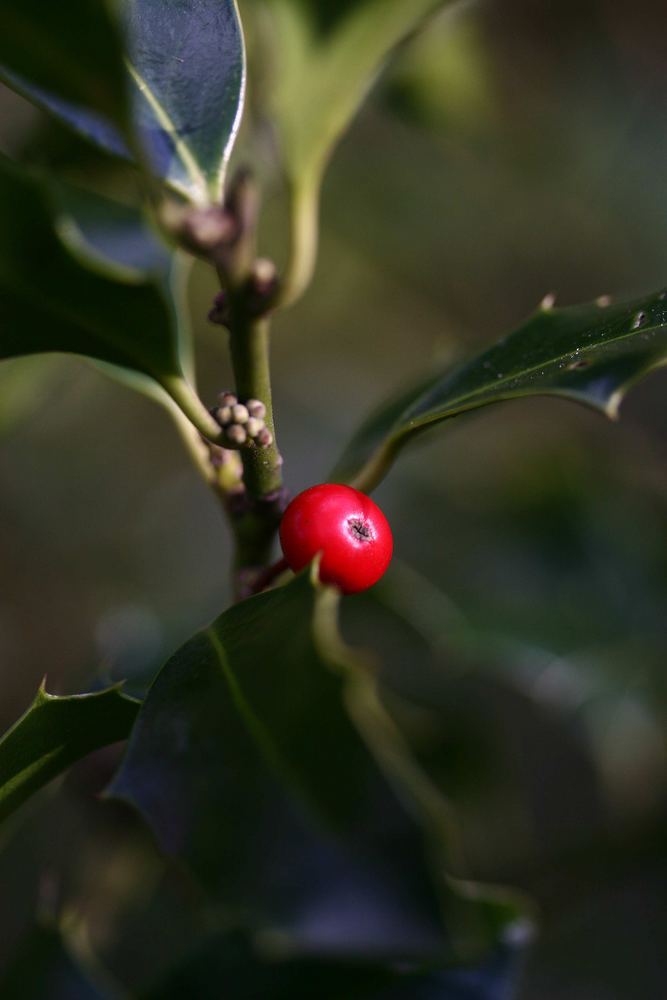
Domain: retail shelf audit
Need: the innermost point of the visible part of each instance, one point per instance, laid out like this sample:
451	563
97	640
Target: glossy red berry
344	525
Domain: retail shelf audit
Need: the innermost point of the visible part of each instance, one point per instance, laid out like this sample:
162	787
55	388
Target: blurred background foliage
512	149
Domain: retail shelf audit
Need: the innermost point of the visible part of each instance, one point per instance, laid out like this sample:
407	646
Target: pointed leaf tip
590	354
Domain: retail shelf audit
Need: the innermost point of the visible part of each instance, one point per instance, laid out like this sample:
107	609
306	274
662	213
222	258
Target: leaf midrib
255	726
278	763
183	150
525	372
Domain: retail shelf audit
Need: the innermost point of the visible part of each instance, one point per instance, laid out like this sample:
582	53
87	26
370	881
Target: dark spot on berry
359	530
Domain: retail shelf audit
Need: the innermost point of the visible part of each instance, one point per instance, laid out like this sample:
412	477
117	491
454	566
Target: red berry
349	530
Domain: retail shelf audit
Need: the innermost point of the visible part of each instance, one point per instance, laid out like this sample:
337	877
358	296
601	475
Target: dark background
516	150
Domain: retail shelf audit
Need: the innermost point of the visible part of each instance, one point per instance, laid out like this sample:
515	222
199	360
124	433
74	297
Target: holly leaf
324	57
44	966
73	50
591	354
56	732
120	241
115	238
50	302
183	67
327	56
187	63
247	973
248	762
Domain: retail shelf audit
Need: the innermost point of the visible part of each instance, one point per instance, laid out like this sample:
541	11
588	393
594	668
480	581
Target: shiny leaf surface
49	302
591	354
56	732
182	66
73	51
247	764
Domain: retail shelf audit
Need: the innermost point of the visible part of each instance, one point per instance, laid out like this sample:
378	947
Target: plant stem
369	477
304	198
249	346
255	517
190	404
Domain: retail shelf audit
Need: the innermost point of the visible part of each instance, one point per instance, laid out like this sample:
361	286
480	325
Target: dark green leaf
249	974
43	967
56	732
49	302
591	354
188	66
114	236
119	241
184	73
246	763
72	50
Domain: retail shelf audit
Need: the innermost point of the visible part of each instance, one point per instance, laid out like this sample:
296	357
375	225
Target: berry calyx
346	527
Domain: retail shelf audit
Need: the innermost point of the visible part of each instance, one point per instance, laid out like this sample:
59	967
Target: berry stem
271	573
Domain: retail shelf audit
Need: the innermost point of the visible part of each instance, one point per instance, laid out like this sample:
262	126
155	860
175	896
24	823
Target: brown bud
227	399
208	227
219	312
265	438
224	415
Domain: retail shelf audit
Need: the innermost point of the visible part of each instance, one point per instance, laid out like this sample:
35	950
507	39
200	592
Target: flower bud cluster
242	422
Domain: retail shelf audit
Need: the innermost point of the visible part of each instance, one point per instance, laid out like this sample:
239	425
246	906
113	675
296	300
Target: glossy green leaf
120	241
113	237
50	302
248	762
73	50
56	732
184	72
591	354
327	56
324	57
187	62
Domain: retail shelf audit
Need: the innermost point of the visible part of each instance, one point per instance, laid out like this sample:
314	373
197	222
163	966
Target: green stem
304	205
249	345
191	405
369	477
255	520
